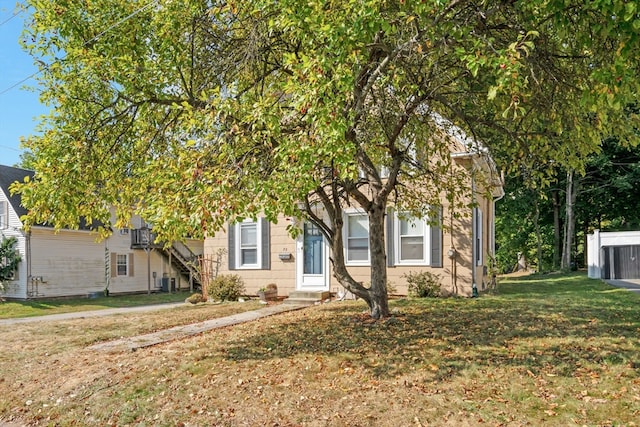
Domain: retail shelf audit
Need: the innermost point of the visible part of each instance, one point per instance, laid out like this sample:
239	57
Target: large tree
193	113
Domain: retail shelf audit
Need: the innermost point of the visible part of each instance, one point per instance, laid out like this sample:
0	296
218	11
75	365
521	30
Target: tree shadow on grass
560	330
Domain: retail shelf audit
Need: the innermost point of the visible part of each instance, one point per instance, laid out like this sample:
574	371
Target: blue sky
19	108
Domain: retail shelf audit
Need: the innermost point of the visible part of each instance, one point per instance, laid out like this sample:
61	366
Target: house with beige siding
458	246
68	263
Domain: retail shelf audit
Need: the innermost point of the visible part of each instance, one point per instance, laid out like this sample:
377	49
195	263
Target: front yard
552	350
33	308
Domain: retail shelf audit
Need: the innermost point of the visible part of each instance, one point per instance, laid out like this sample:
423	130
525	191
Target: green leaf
493	91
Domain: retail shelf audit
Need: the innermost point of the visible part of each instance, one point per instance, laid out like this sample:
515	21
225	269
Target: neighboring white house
613	255
73	263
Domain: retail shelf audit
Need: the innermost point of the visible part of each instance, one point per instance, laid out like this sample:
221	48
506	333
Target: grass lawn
30	308
547	350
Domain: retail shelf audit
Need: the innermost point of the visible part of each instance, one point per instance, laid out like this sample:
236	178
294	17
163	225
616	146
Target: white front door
312	260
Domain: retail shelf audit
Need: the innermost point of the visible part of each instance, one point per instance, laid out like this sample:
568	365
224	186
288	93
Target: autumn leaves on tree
196	113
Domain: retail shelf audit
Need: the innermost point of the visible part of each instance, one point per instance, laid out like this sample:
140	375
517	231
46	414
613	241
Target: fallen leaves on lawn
442	362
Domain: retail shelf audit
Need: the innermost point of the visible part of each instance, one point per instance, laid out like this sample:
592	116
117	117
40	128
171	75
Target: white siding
69	262
16	288
73	263
142	275
137	282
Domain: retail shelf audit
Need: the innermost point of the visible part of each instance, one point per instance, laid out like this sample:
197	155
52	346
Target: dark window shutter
479	236
390	239
265	231
130	266
114	267
436	241
231	254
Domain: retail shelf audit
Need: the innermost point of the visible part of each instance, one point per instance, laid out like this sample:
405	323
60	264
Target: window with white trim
249	245
122	265
412	240
357	238
4	214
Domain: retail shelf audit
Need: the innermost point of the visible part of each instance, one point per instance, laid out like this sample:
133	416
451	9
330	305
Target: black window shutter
266	244
436	241
231	254
390	239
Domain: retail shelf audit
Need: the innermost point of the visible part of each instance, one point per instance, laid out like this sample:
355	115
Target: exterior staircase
185	261
307	298
182	258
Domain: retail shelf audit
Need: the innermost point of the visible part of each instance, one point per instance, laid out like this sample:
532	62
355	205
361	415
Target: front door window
313	249
312	262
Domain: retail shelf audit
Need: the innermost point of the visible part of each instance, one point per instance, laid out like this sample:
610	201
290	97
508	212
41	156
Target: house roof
473	149
9	175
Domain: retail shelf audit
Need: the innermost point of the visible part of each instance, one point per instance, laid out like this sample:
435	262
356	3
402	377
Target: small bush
195	299
272	287
226	287
423	284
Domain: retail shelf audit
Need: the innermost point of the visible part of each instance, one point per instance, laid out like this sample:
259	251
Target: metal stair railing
186	259
181	255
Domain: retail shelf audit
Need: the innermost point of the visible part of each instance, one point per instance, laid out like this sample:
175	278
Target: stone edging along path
179	332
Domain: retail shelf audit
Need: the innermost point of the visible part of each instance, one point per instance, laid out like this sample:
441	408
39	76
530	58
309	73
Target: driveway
632	285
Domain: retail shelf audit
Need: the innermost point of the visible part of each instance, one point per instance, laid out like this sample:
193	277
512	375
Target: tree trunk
538	234
570	221
557	234
585	239
341	273
376	295
378	298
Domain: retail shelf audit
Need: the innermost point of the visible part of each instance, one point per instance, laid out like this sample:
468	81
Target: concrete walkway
86	314
179	332
158	337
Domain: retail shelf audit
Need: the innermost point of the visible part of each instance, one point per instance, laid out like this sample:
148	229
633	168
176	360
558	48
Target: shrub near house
226	287
9	260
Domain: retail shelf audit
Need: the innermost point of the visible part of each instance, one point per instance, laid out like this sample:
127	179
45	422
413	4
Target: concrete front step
307	298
